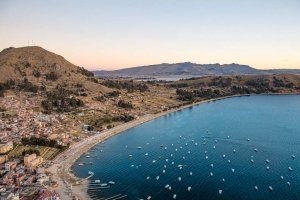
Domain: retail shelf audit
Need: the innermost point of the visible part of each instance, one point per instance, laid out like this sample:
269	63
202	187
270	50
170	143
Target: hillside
42	67
190	69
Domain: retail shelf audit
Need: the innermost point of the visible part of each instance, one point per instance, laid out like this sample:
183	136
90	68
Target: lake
237	148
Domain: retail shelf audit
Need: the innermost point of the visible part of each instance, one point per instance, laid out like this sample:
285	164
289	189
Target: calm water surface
208	148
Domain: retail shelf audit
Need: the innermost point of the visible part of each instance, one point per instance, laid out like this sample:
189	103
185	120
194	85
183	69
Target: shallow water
271	123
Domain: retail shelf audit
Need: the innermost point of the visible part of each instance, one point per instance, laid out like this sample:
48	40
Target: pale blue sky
110	34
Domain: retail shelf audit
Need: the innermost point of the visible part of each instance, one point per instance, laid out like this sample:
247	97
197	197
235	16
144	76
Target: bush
124	104
52	76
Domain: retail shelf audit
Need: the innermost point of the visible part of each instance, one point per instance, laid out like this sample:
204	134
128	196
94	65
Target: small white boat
157	177
191	173
293	156
220	192
179	178
224	155
288	183
153	161
174	196
80	164
167	186
103	184
164	171
189	188
146	154
232	170
206	157
149	197
228	161
223	179
290	169
90	173
267	161
252	161
170	188
97	181
139	147
234	150
212	165
268	168
111	182
271	188
281	177
148	177
211	174
255	150
255	187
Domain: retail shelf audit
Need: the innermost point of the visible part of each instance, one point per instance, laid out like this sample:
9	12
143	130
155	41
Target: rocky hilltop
42	67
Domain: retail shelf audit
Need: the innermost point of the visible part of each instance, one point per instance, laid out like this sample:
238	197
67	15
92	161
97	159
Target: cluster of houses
24	177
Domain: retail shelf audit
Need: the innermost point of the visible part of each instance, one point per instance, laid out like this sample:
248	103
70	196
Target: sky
114	34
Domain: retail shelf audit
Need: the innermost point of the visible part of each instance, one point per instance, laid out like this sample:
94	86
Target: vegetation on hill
130	86
61	100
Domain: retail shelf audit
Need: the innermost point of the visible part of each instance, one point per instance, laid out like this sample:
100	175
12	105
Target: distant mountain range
190	69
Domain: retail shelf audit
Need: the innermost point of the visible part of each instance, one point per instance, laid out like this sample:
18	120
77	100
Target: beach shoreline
61	169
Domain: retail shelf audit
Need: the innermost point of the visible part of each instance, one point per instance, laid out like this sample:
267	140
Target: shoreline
61	169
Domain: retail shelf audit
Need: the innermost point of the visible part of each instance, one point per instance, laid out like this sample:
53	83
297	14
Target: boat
80	164
220	192
189	188
179	178
281	177
252	161
146	154
255	187
211	174
140	147
174	196
90	172
212	165
149	197
87	156
167	186
191	173
271	188
290	169
157	177
268	168
148	178
111	182
293	156
103	184
267	161
255	150
232	170
97	181
288	183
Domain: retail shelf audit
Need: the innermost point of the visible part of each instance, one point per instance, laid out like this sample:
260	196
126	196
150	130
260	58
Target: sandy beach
70	186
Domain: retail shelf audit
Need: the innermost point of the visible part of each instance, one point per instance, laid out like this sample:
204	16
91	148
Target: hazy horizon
114	34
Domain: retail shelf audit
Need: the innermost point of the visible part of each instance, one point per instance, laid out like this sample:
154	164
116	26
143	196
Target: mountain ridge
191	69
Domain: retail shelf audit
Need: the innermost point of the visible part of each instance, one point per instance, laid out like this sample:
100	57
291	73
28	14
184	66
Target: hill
42	67
190	69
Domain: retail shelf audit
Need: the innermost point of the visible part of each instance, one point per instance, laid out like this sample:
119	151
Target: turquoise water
228	132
